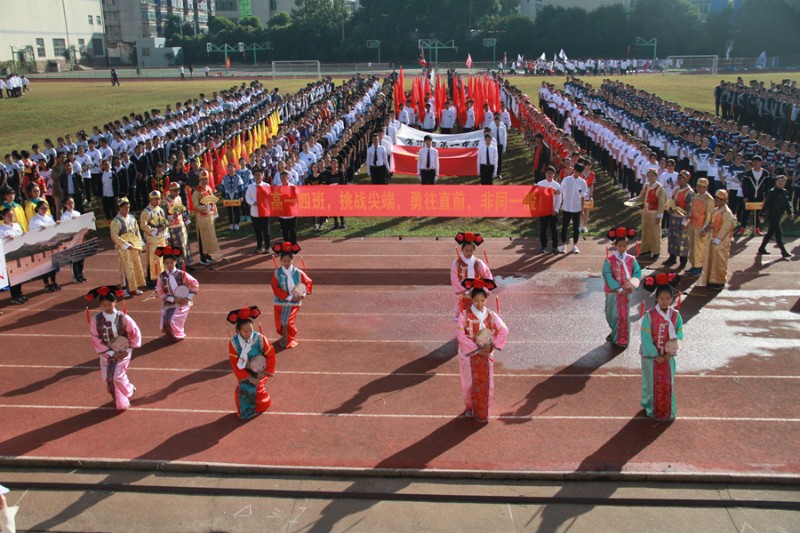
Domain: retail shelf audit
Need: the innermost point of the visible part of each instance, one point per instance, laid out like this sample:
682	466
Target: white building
530	8
42	32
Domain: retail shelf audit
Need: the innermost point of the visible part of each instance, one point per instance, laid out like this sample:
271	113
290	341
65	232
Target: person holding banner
124	231
290	285
114	336
487	160
428	163
8	230
205	206
622	275
377	161
41	220
720	234
153	223
479	332
8	520
550	222
252	359
178	219
19	212
466	266
70	213
177	289
662	340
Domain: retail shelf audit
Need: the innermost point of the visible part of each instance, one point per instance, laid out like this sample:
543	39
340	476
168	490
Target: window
97	47
59	47
40	51
273	5
91	21
145	51
99	20
81	45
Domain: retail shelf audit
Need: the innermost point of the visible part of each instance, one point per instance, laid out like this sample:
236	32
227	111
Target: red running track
374	382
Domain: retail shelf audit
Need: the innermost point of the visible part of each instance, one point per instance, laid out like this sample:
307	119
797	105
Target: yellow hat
155	194
703	182
722	194
123	201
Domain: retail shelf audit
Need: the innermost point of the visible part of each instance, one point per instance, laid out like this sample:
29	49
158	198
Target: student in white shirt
377	162
428	163
500	135
573	191
70	213
550	222
487	160
40	221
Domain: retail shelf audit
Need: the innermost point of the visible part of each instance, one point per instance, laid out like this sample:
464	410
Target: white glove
658	217
125	246
154	232
716	241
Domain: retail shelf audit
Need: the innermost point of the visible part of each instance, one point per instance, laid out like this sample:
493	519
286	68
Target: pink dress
104	329
477	371
173	315
459	271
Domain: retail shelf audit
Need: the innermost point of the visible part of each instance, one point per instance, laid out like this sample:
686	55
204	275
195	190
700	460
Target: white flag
562	56
761	62
542	57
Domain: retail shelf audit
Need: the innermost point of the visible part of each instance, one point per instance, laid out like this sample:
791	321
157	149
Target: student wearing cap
719	232
124	231
10	229
549	223
153	223
252	359
679	216
652	200
114	336
662	340
290	285
205	215
699	218
9	197
487	160
621	273
176	289
428	163
776	203
178	218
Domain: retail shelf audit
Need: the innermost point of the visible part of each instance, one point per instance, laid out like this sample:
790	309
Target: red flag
469	61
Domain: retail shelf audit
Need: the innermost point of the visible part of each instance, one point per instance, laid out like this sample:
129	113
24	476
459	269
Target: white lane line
399	415
402	374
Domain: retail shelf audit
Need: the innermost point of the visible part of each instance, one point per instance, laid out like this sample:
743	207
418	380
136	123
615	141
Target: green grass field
55	108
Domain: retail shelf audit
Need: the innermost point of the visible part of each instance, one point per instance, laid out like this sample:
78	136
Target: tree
219	23
279	20
250	22
767	25
675	23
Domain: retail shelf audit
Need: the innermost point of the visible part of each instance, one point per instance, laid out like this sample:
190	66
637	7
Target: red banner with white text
495	201
452	161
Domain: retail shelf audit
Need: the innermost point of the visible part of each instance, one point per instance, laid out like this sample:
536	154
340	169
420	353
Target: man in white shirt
469	124
573	191
428	163
429	120
377	162
500	135
488	116
487	160
448	119
550	222
260	224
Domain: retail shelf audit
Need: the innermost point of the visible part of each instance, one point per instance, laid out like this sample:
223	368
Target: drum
182	292
484	338
300	290
119	344
633	202
258	363
632	283
673	346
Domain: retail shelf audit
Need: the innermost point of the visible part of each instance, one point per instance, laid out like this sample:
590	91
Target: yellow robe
715	267
651	219
130	266
19	215
155	263
700	216
204	218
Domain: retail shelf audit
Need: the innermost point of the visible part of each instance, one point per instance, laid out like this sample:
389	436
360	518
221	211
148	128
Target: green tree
767	25
218	24
675	23
250	22
279	20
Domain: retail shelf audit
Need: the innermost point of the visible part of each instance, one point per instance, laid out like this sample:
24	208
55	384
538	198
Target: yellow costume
652	200
19	214
715	267
130	267
155	236
700	217
205	217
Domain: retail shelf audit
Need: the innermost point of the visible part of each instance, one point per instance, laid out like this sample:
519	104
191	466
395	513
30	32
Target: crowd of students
774	110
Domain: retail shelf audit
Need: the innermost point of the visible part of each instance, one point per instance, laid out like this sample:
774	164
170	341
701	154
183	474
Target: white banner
407	136
31	255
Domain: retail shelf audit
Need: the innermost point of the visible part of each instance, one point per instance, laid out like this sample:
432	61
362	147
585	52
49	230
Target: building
530	8
262	9
129	20
39	35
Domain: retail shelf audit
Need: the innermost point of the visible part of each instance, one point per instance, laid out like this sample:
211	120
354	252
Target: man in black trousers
776	203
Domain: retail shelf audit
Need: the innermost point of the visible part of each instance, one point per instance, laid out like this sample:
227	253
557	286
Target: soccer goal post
693	64
296	69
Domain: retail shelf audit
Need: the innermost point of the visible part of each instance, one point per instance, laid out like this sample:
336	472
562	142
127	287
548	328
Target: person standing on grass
573	192
549	223
231	188
487	160
776	203
182	72
114	78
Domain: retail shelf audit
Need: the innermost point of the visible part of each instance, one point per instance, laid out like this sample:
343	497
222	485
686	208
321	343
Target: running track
374	383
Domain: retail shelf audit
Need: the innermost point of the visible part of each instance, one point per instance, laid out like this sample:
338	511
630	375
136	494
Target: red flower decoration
286	247
621	233
102	291
295	248
469	236
89	297
649	281
119	293
232	318
662	279
479	284
631	233
244	314
254	313
478	239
